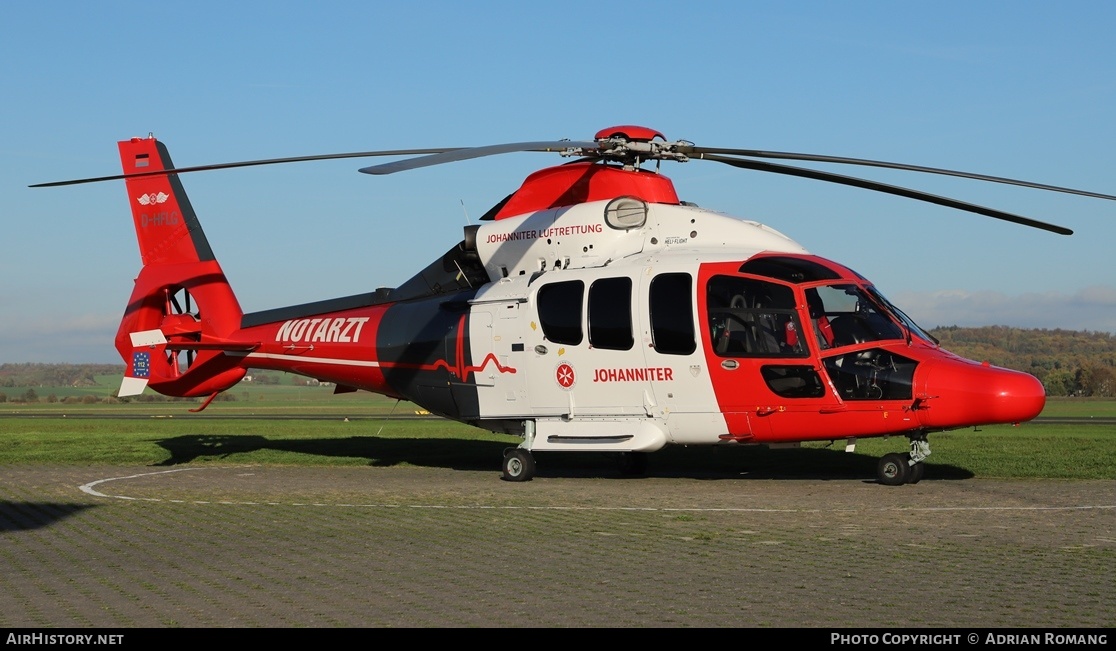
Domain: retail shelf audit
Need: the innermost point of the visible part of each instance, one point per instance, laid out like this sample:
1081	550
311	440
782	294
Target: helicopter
592	310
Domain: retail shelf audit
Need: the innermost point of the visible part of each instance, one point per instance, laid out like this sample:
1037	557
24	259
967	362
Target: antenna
467	220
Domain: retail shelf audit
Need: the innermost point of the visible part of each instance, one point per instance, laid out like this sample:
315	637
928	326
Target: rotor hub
629	145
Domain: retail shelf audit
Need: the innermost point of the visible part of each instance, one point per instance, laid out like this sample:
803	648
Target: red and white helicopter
591	311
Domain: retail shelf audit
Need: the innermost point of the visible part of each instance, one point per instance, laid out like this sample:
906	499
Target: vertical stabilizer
166	226
182	313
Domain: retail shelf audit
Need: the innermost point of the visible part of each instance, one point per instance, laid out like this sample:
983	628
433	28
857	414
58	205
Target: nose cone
962	393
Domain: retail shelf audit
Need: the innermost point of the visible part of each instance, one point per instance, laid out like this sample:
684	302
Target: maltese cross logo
565	376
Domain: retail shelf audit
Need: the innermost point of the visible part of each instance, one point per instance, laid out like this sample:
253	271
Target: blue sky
1017	89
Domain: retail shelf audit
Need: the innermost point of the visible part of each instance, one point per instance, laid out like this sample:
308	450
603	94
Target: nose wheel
896	469
917	471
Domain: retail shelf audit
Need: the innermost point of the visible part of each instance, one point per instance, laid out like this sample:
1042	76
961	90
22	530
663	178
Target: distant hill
1068	362
55	375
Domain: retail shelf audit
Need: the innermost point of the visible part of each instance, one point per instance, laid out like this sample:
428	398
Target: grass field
174	437
354	432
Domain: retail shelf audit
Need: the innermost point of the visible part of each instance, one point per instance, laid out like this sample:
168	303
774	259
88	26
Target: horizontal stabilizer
147	338
232	346
152	338
131	386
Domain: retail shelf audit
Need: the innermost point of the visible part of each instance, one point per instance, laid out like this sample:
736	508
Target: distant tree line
55	375
1067	362
32	396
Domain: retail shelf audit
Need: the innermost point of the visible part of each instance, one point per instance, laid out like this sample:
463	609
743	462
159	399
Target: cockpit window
844	315
752	318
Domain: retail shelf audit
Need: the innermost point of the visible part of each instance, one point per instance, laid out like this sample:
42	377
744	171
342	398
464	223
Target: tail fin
182	312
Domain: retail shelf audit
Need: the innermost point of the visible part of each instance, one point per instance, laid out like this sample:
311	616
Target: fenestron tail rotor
181	325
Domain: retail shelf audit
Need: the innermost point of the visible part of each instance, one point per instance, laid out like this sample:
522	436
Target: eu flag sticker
141	364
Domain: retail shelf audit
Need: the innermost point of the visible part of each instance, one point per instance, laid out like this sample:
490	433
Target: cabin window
610	314
793	381
672	314
560	311
753	318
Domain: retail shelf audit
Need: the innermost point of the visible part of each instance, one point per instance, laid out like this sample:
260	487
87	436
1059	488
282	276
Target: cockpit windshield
907	321
846	314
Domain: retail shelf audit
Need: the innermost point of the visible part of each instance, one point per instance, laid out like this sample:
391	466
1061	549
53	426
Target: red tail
182	313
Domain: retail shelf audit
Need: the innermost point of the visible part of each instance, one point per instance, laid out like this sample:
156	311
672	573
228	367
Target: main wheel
894	469
633	463
917	472
519	465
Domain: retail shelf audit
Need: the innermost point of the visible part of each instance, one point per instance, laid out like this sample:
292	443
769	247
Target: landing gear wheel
519	465
894	469
633	463
917	471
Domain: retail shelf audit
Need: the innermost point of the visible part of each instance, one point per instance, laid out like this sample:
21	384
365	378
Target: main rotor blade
266	161
699	152
889	189
452	156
